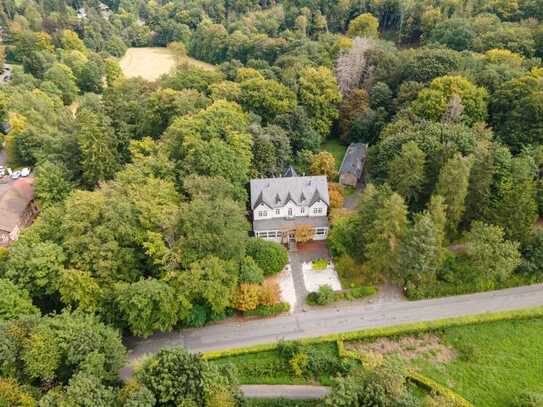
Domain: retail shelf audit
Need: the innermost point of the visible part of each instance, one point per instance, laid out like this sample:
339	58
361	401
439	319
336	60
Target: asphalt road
325	321
290	392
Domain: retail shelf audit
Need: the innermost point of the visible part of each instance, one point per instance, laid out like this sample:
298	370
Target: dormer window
317	211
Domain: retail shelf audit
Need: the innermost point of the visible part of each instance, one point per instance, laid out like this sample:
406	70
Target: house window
278	211
317	210
289	211
262	214
302	210
321	232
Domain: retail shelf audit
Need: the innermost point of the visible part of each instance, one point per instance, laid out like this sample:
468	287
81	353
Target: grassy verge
334	147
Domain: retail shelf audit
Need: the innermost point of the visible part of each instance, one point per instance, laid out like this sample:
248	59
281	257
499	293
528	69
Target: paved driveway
347	318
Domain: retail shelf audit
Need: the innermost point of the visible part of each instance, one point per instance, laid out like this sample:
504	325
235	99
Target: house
353	164
281	205
17	208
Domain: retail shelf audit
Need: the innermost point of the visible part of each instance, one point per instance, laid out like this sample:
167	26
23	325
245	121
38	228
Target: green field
493	362
334	147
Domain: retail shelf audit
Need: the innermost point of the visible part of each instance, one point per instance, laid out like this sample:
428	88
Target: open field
151	63
488	364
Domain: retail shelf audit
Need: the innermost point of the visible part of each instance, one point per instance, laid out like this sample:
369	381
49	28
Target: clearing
336	148
151	63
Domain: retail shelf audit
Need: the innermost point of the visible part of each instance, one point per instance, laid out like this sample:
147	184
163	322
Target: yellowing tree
323	163
304	233
365	25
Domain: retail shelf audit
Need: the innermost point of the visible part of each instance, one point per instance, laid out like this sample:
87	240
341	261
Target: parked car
15	174
25	172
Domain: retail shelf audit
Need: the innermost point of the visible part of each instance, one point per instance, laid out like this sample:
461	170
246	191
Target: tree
453	187
365	25
83	390
455	33
177	377
420	253
249	272
209	281
52	184
267	98
90	78
323	163
247	297
432	102
406	172
96	142
71	41
271	257
304	233
14	302
492	258
318	93
385	235
79	289
149	306
13	394
63	77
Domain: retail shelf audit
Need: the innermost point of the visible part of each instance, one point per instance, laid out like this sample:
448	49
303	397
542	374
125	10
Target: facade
353	164
17	208
281	205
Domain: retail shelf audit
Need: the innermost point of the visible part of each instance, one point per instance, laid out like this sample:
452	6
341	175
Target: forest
142	186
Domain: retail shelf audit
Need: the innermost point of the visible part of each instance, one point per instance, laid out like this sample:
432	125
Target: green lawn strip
336	148
268	367
496	361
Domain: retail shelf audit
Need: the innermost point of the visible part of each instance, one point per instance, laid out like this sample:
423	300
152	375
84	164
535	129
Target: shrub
268	310
198	316
325	295
269	293
299	364
287	349
320	264
271	257
249	272
360	292
247	297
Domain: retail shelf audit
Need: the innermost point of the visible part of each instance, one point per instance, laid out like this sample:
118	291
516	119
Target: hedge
403	329
434	387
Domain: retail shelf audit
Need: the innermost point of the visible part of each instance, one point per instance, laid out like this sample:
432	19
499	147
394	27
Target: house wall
279	236
264	212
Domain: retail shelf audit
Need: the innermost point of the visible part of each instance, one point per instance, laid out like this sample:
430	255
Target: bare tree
454	111
352	67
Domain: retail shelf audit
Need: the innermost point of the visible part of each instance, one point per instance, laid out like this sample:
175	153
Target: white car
25	172
15	174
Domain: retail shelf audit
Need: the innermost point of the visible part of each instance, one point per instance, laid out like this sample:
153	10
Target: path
290	392
316	322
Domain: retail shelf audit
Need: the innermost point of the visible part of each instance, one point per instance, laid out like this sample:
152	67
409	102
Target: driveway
316	322
290	392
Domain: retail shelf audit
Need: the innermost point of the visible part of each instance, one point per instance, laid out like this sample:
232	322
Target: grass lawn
151	63
336	148
270	368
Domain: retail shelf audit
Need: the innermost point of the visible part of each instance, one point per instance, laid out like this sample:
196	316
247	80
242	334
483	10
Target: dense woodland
142	185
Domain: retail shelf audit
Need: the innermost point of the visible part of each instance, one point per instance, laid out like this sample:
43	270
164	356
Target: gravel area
286	285
313	279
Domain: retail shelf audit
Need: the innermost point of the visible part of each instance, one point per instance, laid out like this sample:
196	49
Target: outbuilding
352	166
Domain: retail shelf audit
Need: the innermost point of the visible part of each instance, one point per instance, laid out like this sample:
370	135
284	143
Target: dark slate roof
276	192
290	172
290	223
354	159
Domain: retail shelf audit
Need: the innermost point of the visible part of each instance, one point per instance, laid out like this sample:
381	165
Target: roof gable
276	192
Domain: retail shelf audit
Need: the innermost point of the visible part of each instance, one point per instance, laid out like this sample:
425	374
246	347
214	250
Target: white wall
264	212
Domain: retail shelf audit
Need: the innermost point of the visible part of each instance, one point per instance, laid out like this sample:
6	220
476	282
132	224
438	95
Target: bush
271	257
320	264
325	295
268	310
198	316
269	293
361	292
247	297
287	349
249	272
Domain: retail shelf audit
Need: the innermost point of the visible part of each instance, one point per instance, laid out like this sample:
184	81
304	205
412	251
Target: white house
280	205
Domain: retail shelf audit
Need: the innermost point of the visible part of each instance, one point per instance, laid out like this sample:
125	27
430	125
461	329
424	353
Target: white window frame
317	210
278	211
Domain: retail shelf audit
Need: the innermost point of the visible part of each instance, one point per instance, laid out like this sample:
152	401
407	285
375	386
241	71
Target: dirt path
280	391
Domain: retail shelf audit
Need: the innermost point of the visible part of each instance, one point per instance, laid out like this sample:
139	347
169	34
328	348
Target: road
333	320
290	392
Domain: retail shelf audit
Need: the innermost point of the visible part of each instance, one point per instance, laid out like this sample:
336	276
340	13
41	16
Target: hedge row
404	329
434	387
